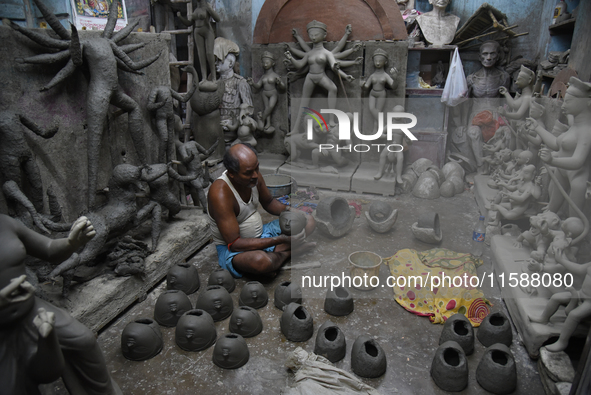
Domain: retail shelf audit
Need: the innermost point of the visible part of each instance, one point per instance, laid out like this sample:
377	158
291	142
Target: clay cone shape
368	358
296	323
183	277
246	322
495	328
170	306
459	329
141	340
223	278
338	302
287	292
230	351
330	342
449	368
496	371
253	295
195	331
216	301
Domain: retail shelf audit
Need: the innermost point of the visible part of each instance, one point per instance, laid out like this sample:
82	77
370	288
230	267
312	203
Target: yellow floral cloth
442	301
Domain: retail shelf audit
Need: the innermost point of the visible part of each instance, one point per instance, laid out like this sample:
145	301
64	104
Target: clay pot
496	371
330	342
296	323
334	216
449	368
286	293
495	328
427	187
292	222
195	331
184	277
216	301
230	351
452	167
421	165
459	329
437	172
141	340
170	306
427	229
447	189
409	179
458	184
223	278
338	302
246	322
368	358
381	217
253	295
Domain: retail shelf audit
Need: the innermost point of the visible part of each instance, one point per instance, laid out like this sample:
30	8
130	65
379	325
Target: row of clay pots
427	181
496	371
184	277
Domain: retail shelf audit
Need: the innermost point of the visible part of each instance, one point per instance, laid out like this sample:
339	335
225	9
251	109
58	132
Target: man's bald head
237	154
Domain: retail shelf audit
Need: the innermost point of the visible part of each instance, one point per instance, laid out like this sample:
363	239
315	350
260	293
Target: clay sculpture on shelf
427	229
195	331
334	217
437	26
495	328
381	217
459	329
216	301
103	57
330	342
496	371
246	322
230	351
368	358
223	278
141	339
254	295
377	83
449	368
184	277
296	323
338	301
287	292
170	306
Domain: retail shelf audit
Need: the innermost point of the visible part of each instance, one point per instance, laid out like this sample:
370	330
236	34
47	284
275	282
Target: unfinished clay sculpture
246	322
377	83
338	302
287	292
216	301
368	358
292	222
330	342
184	277
438	27
296	323
427	229
191	154
141	339
223	278
195	331
496	371
271	83
170	306
334	217
253	294
495	328
449	368
381	217
459	329
230	352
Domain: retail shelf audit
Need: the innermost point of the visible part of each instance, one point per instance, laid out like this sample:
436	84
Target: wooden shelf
564	27
424	92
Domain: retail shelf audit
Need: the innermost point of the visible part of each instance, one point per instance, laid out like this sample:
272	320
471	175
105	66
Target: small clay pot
334	216
183	277
195	331
230	351
338	302
495	328
381	217
216	301
254	295
246	322
496	371
296	323
427	229
449	368
170	306
330	342
287	292
368	358
141	340
223	278
459	329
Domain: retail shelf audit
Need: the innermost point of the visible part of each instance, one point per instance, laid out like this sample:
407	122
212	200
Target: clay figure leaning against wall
244	244
377	83
314	60
483	88
102	56
438	27
160	102
271	83
204	36
40	342
570	153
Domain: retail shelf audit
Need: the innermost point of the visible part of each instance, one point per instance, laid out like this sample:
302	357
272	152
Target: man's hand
298	239
82	232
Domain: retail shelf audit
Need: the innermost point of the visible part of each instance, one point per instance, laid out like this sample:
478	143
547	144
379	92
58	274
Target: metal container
364	266
280	184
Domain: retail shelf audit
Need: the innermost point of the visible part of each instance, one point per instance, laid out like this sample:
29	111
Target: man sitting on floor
243	243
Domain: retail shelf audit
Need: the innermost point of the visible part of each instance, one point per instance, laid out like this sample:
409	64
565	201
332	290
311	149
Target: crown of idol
317	24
